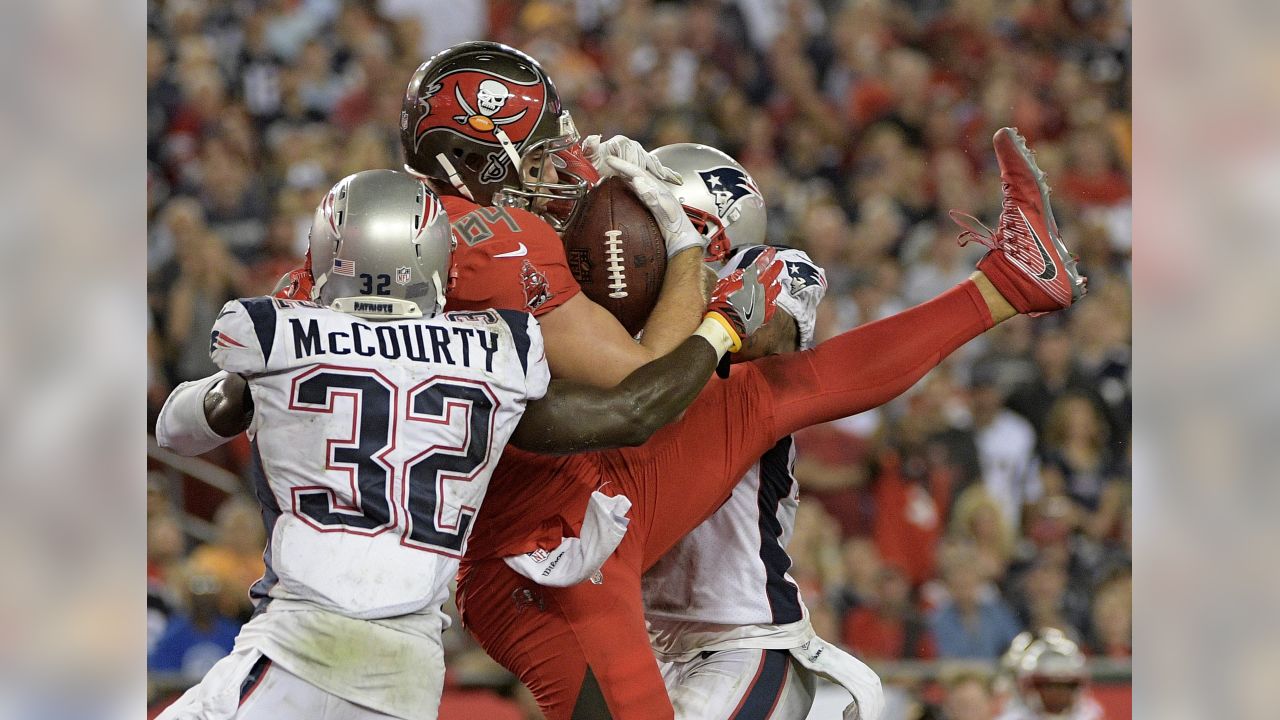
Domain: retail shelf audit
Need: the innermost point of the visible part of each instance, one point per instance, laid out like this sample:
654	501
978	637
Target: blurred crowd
991	498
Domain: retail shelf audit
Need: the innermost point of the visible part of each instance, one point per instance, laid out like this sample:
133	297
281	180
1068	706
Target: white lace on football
617	271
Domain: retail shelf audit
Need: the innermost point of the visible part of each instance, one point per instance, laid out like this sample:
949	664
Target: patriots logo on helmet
803	275
478	104
728	185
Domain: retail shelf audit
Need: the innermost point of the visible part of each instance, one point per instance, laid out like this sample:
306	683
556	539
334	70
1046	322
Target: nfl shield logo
402	275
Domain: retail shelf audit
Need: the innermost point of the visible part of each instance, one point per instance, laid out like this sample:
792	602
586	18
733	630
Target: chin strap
508	147
454	178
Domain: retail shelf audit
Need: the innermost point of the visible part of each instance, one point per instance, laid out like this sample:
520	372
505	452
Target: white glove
577	558
677	230
624	148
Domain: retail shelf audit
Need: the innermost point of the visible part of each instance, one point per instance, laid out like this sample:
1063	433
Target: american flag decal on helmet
344	267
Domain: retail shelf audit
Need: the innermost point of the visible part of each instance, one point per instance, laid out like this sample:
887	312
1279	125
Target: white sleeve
234	345
538	375
182	426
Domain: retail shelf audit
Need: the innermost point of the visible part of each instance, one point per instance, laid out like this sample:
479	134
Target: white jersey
731	571
375	441
726	583
1086	709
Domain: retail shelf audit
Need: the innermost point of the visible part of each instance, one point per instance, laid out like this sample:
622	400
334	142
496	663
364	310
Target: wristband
716	330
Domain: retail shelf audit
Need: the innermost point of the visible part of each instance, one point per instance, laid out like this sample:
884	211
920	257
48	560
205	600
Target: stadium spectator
1006	445
976	518
969	625
234	560
195	639
1079	464
968	697
888	626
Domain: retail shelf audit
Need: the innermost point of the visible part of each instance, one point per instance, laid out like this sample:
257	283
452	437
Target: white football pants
245	685
741	684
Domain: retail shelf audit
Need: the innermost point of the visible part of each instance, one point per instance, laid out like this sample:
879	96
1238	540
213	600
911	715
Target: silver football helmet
719	195
1051	676
381	247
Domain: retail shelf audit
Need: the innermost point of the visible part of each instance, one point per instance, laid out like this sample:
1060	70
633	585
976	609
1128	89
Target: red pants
549	637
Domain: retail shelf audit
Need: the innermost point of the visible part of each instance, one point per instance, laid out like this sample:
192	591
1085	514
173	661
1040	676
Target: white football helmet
381	247
719	195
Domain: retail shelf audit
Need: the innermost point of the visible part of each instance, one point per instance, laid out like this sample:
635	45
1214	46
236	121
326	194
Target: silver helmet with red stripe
381	247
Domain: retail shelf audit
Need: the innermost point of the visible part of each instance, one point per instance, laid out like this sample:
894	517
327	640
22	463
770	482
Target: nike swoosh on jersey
1050	269
223	314
522	250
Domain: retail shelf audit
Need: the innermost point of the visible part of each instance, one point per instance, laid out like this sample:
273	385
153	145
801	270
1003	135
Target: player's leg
742	684
271	693
872	364
1028	270
561	642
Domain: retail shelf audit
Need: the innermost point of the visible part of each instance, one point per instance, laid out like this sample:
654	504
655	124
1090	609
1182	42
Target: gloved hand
677	230
624	148
745	299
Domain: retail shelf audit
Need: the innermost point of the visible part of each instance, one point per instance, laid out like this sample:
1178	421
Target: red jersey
511	259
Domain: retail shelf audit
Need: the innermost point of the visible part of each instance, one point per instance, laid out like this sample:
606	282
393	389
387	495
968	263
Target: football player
1050	680
378	419
493	155
591	635
726	620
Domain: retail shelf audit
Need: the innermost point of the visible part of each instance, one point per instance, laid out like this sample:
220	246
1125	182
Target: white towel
577	558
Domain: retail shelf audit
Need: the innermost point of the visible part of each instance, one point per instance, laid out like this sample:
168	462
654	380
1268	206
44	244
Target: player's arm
586	344
198	416
201	415
574	417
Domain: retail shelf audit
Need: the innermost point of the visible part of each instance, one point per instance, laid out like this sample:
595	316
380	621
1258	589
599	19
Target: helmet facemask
554	177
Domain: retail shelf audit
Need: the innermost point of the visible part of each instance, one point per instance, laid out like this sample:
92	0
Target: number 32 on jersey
428	498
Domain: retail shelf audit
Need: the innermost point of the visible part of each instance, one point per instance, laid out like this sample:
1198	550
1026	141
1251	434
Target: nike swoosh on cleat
522	250
1050	269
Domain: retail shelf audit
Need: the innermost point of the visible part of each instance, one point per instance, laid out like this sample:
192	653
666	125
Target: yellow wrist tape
717	330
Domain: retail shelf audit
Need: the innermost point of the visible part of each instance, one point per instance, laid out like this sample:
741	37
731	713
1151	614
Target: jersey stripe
519	324
775	484
767	687
262	313
270	514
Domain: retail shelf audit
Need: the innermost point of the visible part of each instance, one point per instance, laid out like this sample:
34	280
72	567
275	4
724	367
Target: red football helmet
484	119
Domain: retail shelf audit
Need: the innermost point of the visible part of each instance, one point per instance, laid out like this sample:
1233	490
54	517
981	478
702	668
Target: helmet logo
474	103
495	169
403	275
727	186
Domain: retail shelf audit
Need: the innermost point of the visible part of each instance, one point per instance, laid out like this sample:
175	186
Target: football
616	253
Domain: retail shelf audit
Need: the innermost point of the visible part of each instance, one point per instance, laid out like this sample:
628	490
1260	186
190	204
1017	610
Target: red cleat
1028	263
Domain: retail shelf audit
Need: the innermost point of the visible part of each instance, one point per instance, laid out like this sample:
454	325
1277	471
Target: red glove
296	285
745	299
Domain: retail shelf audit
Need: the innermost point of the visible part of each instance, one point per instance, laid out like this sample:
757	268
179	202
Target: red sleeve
506	259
